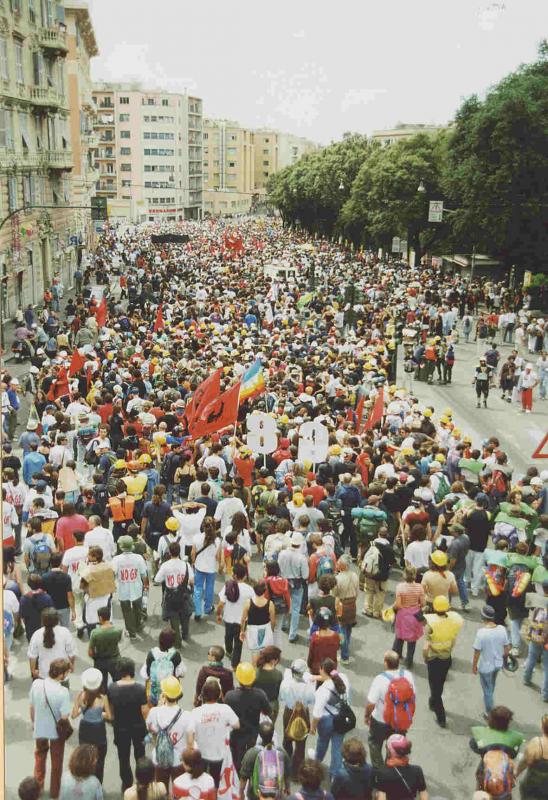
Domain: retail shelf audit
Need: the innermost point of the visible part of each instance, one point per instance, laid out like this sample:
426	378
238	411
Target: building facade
275	150
228	167
149	151
403	131
36	157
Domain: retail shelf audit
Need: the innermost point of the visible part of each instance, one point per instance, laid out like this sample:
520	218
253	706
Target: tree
497	168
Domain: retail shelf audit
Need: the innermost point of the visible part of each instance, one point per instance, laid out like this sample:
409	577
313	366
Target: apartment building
36	158
402	131
149	151
275	150
82	47
228	167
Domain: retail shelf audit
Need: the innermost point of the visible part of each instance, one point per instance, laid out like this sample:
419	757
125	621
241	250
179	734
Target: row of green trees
490	168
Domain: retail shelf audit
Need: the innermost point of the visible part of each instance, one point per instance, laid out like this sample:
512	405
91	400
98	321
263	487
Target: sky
316	68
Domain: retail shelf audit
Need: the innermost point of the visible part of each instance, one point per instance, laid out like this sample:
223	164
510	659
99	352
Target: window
15	6
266	163
4	68
125	151
265	174
266	141
124	101
6	138
19	71
151	101
231	163
32	12
266	151
123	118
37	67
165	102
24	130
126	184
206	135
125	167
124	134
12	193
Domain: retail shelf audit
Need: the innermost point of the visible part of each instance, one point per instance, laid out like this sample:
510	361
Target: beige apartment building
36	157
403	131
238	162
149	152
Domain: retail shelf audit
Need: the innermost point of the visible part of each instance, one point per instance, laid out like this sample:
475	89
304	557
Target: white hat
544	475
14	382
92	679
32	425
34	370
536	481
296	539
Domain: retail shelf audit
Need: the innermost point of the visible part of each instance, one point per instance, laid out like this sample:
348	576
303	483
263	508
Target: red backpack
399	703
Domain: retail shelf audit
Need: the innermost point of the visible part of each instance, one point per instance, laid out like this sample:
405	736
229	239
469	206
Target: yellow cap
441	603
245	673
171	687
439	558
427	412
440	458
145	459
120	464
172	524
448	412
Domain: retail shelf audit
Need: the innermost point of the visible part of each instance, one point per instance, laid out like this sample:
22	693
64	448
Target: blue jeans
346	631
296	600
326	734
461	586
536	650
488	681
515	632
203	581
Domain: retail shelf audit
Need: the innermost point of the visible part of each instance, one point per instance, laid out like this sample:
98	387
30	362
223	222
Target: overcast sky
318	68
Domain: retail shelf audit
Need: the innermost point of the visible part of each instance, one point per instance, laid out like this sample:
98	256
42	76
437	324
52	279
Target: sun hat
488	612
92	679
125	543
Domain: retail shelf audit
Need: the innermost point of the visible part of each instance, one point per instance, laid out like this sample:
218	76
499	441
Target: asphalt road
445	756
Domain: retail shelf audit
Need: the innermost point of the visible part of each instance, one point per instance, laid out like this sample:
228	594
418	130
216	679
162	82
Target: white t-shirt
209	724
190	525
64	647
130	570
201	788
226	510
173	572
216	461
206	561
11	603
103	538
326	695
160	717
418	553
244	539
232	612
72	558
379	687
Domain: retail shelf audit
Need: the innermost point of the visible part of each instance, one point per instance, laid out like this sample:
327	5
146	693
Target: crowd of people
216	432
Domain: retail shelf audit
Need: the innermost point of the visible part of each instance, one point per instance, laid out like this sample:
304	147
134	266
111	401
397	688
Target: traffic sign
539	451
435	211
403	246
396	244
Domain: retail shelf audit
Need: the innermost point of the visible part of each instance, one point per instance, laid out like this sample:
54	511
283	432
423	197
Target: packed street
209	441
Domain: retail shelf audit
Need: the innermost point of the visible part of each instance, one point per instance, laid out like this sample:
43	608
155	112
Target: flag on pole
253	382
359	413
377	411
101	312
59	387
304	300
159	321
76	363
207	391
218	414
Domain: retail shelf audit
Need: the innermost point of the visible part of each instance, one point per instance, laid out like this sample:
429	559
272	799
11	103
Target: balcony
12	159
53	39
46	97
90	139
57	159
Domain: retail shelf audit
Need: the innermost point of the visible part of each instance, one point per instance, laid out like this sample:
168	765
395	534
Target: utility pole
473	264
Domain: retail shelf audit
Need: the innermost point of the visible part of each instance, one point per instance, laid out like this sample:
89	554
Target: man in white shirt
73	559
227	507
189	524
131	575
209	725
379	731
215	460
175	573
230	613
101	537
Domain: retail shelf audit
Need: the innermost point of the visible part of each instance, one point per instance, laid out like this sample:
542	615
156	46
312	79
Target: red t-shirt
66	527
317	493
244	468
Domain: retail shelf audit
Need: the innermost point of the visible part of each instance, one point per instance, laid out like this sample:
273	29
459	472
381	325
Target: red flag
101	312
60	387
207	391
76	363
217	414
159	322
377	412
359	413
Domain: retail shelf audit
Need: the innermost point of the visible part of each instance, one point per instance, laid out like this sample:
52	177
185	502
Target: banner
169	238
101	313
207	391
60	387
218	414
377	411
252	382
76	363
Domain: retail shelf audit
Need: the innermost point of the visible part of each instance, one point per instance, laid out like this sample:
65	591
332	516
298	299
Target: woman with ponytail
48	643
206	553
333	689
145	787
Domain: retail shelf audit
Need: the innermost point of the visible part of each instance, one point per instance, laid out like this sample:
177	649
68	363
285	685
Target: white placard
261	433
313	442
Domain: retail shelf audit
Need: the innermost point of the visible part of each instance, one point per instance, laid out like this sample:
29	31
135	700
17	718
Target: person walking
346	592
410	600
131	575
376	569
248	703
442	628
457	552
249	763
128	703
145	786
48	643
297	695
80	781
49	706
59	587
177	603
103	646
333	689
232	597
209	725
526	383
354	781
482	381
478	525
537	636
491	646
398	772
535	765
92	705
205	557
168	722
258	621
294	567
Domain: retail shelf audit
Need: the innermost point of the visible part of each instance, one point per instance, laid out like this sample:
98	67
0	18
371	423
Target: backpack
268	772
297	727
537	624
232	591
101	495
161	667
345	719
371	564
497	485
178	598
90	456
497	769
482	331
165	748
443	489
333	512
517	580
169	465
325	567
280	603
41	555
399	703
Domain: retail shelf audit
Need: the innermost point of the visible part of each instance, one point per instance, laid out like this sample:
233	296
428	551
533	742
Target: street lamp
421	187
341	186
